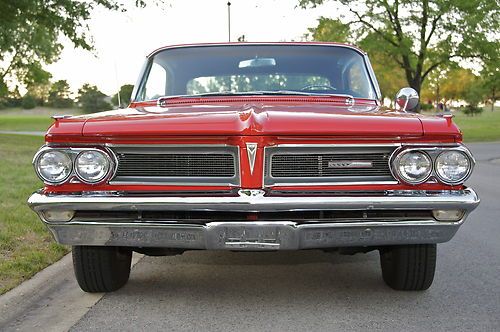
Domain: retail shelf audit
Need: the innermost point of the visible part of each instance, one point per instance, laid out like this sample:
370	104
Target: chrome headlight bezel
396	163
433	152
467	156
73	153
108	166
36	163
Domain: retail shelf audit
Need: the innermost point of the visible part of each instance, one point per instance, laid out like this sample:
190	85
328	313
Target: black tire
101	269
408	267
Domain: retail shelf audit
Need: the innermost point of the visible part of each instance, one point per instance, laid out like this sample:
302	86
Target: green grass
26	246
480	128
24	122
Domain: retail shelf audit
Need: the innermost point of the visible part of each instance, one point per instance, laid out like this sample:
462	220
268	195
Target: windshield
256	69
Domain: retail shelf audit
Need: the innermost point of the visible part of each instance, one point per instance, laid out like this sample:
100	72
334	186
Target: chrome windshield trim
168	47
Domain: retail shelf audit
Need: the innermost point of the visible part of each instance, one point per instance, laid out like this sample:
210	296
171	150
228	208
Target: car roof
256	43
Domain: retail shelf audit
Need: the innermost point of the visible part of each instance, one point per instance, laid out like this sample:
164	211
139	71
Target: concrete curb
50	301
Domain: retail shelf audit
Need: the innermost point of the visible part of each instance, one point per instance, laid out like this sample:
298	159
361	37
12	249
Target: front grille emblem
349	164
252	153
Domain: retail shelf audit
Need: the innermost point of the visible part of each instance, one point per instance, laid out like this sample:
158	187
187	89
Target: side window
155	86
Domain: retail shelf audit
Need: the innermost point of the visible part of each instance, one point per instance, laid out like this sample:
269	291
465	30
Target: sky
122	40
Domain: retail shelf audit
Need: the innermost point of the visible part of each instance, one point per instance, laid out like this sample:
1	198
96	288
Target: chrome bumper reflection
255	235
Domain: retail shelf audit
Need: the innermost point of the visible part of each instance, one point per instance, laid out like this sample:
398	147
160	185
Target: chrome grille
175	165
327	164
199	165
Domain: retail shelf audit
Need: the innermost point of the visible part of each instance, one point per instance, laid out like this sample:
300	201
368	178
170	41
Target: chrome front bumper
255	235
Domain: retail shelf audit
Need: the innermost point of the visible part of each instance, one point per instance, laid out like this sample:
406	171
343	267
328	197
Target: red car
255	147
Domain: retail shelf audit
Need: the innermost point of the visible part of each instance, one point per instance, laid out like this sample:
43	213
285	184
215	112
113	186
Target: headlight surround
413	166
92	166
453	166
53	166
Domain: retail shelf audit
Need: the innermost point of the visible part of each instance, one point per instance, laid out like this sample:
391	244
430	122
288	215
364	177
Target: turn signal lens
448	215
58	215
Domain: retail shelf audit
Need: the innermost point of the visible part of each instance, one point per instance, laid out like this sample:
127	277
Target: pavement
284	291
29	133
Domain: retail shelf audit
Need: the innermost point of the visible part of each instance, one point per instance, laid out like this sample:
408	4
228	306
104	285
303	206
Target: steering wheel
317	87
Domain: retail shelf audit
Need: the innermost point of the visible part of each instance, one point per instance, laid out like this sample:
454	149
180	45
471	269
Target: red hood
249	119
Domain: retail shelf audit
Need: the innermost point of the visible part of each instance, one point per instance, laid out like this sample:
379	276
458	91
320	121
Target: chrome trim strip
195	182
208	145
309	184
334	145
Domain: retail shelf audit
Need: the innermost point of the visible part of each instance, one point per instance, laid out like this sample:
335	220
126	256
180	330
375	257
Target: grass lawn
26	246
484	127
24	122
37	119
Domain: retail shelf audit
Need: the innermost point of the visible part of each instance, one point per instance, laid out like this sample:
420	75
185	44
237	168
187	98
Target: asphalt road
316	291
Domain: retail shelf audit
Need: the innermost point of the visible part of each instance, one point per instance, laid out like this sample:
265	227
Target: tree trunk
416	83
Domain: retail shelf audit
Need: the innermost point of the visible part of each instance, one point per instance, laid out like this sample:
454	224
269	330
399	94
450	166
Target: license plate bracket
251	236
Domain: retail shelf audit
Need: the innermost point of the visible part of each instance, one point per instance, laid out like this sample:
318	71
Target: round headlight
413	166
92	166
53	166
453	166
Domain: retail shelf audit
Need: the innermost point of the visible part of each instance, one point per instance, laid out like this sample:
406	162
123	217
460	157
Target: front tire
408	267
101	269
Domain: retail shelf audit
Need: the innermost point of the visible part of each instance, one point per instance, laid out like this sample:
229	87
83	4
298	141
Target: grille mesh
176	165
317	165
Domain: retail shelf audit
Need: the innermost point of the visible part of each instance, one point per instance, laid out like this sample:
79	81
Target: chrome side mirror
407	99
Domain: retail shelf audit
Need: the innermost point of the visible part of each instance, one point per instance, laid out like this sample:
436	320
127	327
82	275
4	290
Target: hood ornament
252	153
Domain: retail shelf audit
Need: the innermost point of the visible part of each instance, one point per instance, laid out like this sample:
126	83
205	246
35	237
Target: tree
457	83
390	77
30	31
330	30
421	35
91	99
125	96
490	77
59	95
28	102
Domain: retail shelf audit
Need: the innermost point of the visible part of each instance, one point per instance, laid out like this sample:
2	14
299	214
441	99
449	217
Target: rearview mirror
257	62
407	99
